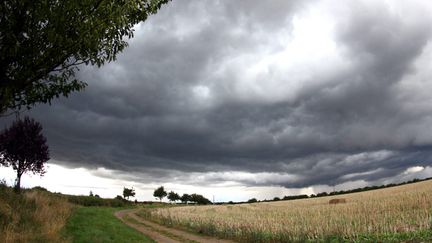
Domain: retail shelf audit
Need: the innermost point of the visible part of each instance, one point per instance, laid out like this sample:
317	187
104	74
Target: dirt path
160	233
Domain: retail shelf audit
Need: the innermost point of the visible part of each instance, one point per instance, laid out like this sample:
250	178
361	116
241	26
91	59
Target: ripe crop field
390	214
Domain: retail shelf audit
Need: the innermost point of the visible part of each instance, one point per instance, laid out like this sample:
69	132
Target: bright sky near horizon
80	181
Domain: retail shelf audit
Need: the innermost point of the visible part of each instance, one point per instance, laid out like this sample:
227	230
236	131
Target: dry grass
32	216
406	208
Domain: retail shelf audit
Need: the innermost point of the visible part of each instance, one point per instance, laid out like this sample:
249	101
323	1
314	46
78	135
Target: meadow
401	213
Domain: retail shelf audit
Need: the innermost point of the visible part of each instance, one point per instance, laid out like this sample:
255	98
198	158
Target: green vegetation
185	198
172	196
44	42
160	193
37	215
252	200
128	192
98	224
32	216
96	201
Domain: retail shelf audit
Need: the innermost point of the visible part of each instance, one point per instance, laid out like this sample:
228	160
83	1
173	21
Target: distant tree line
160	193
194	198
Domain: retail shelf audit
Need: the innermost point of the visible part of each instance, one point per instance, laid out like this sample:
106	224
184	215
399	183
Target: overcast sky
254	98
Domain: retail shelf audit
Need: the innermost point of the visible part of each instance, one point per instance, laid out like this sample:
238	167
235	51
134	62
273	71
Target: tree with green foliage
185	198
160	193
199	199
42	44
172	196
128	193
24	148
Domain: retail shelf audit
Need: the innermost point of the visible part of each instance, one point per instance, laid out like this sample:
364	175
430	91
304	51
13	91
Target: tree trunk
18	182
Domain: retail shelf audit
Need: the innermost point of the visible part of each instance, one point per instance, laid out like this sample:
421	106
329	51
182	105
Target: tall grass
32	216
403	212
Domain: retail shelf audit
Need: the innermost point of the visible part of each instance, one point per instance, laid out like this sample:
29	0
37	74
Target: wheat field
377	214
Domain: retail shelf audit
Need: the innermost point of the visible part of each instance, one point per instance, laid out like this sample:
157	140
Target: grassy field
42	216
98	224
32	216
396	214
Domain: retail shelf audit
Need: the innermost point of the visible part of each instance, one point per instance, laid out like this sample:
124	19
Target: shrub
252	200
97	201
39	188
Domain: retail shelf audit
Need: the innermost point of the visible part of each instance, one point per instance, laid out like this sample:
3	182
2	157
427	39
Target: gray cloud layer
316	89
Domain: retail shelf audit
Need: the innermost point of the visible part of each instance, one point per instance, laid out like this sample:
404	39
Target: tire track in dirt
143	229
160	233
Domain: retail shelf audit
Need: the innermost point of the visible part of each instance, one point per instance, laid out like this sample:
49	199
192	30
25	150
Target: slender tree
42	43
128	192
24	147
160	193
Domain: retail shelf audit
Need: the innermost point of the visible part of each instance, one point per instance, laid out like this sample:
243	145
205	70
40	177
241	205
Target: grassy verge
98	224
32	216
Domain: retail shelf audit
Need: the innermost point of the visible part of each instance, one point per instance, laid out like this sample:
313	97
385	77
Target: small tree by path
128	193
160	193
23	146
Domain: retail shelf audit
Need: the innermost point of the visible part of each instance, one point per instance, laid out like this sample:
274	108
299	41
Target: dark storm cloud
204	87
